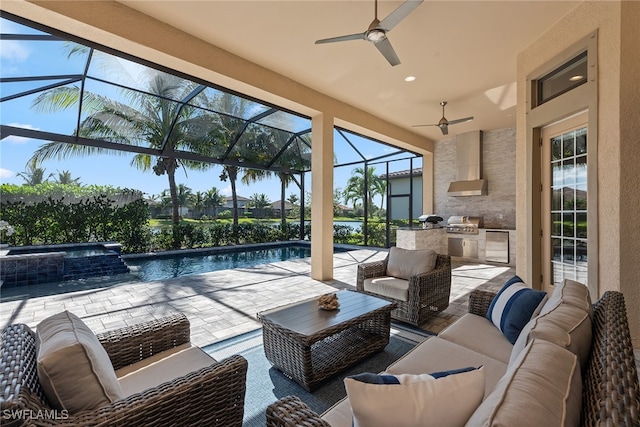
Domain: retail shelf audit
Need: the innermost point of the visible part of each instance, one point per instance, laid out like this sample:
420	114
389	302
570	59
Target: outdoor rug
265	384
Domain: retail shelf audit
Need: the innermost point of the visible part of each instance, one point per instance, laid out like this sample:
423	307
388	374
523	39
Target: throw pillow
73	367
513	307
438	399
404	263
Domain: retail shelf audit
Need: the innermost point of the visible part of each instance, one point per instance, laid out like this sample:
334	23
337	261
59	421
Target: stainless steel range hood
469	180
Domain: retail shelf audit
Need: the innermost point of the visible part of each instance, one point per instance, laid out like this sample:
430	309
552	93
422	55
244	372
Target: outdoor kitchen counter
478	241
422	238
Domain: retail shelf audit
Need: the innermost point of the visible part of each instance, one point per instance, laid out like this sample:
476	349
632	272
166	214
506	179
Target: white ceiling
463	52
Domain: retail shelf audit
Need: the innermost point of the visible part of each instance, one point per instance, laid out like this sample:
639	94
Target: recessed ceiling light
576	78
409	78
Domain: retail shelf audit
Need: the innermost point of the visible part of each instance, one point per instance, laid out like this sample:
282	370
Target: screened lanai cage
64	97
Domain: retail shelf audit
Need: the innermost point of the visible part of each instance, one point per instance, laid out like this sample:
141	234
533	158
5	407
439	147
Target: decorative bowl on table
328	302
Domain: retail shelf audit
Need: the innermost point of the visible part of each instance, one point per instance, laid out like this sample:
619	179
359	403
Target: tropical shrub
91	219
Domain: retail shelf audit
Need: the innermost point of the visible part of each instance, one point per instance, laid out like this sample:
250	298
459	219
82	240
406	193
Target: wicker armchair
211	396
428	293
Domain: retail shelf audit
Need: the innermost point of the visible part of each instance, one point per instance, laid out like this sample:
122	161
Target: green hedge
95	218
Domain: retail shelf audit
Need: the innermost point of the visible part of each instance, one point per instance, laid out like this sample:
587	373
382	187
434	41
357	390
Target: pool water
164	267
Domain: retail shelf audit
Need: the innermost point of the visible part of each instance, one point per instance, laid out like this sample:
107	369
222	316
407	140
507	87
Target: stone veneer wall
498	208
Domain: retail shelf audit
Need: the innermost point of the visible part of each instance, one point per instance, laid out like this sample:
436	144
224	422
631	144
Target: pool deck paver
219	304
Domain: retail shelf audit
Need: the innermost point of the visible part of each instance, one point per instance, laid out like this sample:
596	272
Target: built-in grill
464	224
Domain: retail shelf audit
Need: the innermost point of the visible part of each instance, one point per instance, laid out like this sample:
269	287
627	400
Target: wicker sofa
418	296
200	392
609	393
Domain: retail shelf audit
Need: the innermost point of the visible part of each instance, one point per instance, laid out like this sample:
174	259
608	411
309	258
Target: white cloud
19	139
226	191
14	51
6	173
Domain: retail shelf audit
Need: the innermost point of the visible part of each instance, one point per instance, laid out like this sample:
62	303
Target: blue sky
37	58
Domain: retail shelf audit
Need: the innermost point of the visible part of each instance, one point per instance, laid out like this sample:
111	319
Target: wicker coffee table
309	344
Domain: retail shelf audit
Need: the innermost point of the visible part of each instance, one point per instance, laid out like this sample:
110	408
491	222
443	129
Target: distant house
275	207
344	210
242	202
401	193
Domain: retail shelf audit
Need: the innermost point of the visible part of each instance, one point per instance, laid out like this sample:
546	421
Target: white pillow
74	369
439	399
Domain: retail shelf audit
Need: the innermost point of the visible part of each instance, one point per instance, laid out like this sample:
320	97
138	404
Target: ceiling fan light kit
377	31
444	124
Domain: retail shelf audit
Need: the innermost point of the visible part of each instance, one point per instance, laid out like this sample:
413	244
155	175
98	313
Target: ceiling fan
443	124
377	31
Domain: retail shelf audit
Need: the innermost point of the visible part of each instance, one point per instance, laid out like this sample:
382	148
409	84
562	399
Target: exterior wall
618	132
498	207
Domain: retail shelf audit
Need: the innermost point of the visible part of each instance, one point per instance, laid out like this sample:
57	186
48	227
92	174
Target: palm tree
64	177
198	202
147	119
356	191
379	188
293	198
33	175
225	133
213	199
184	196
260	201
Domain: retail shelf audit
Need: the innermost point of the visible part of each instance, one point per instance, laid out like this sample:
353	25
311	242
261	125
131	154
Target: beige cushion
416	400
391	287
569	292
479	334
73	368
436	354
542	388
161	368
339	415
566	325
404	263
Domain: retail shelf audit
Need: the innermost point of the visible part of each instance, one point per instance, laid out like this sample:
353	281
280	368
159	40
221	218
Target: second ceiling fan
377	31
443	124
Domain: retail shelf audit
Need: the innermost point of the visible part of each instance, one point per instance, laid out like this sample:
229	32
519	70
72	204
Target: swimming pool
161	266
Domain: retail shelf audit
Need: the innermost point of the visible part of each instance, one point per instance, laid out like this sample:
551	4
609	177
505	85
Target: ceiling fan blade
419	126
359	36
384	46
399	14
466	119
444	129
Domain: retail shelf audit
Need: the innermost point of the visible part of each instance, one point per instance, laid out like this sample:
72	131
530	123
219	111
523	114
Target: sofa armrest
370	269
210	396
479	302
131	344
290	411
611	389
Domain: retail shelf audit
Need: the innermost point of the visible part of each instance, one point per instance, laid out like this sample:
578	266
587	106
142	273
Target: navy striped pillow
512	308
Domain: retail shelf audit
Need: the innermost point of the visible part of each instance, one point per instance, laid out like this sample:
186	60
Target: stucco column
322	197
427	183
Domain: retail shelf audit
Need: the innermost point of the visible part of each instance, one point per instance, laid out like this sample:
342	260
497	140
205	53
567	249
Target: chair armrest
290	411
370	269
479	302
210	396
427	285
131	344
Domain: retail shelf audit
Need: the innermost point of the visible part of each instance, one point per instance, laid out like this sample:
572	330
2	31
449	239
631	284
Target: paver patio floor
220	304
